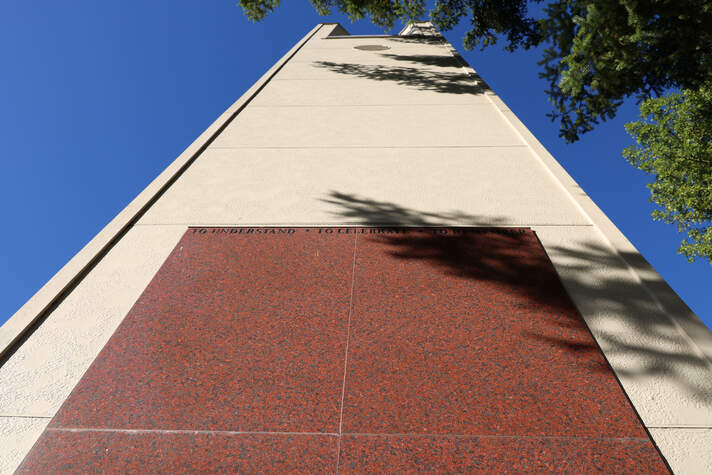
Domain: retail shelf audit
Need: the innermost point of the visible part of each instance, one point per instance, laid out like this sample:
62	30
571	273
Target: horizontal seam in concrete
16	337
397	105
351	37
413	65
409	104
682	427
399	64
434	41
394	48
394	83
341	80
336	147
23	416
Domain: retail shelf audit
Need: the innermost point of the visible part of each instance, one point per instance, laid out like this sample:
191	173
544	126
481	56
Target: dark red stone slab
471	333
122	452
239	332
422	454
232	360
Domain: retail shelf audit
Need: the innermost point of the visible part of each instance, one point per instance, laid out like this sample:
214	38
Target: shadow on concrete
436	60
438	73
640	340
364	210
417	39
627	322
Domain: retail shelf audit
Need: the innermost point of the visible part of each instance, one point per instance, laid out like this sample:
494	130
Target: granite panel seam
350	434
184	431
360	225
346	352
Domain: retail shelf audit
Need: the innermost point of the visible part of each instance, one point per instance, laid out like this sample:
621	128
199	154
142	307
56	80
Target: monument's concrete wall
399	132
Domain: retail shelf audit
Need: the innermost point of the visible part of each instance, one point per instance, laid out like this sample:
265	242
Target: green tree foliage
596	53
674	139
381	12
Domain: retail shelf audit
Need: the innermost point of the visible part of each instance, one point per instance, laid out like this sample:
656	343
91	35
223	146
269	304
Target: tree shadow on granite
640	339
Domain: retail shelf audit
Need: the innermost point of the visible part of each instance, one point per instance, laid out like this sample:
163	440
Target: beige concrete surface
669	383
429	60
417	60
402	72
395	43
363	126
378	87
466	186
377	66
17	436
688	450
430	69
39	376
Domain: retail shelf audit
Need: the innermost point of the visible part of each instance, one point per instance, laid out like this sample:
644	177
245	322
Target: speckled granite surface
124	452
370	349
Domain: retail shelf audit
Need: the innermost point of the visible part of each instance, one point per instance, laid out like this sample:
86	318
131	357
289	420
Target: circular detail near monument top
372	47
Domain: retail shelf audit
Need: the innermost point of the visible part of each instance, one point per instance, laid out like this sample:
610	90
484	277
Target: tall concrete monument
366	264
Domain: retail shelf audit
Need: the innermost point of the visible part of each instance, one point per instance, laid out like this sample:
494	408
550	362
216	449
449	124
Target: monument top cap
421	28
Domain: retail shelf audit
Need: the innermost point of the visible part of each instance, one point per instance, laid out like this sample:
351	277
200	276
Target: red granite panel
422	454
123	452
463	334
240	330
470	332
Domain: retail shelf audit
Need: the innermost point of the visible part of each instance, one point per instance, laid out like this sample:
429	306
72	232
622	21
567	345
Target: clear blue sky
98	97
